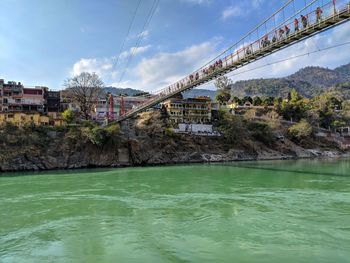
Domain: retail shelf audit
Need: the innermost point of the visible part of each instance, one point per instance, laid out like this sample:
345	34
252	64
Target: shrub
113	129
231	127
96	135
68	116
300	131
262	132
87	123
99	135
169	132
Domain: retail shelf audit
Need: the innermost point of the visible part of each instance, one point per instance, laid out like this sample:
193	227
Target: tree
223	97
267	101
346	109
223	85
295	108
84	90
327	105
232	127
143	93
237	100
257	101
68	116
247	99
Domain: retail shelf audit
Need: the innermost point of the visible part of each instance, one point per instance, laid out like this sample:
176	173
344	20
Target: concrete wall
195	127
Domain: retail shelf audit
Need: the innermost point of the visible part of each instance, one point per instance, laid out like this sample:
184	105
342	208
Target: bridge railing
271	32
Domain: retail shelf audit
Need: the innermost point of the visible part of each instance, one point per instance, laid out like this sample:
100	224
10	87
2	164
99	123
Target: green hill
309	82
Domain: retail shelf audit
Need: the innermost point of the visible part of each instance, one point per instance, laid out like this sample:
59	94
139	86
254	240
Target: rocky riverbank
42	149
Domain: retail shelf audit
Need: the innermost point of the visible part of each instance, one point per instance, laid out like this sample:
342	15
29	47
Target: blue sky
43	42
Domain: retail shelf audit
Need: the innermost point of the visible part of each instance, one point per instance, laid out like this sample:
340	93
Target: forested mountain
309	82
270	87
200	92
118	91
321	77
345	69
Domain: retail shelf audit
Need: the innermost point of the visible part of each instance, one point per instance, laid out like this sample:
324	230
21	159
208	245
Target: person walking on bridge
304	20
274	38
296	25
280	32
286	28
318	14
265	41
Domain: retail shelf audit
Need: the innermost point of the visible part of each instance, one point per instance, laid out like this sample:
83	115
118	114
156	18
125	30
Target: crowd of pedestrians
278	34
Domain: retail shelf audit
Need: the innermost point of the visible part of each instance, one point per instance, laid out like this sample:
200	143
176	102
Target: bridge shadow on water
53	172
273	169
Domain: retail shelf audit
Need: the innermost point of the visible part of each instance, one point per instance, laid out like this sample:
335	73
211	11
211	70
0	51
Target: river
270	211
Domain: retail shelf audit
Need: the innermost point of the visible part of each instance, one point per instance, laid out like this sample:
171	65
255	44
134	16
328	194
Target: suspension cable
127	35
145	26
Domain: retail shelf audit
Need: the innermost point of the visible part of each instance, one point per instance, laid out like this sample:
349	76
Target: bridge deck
315	28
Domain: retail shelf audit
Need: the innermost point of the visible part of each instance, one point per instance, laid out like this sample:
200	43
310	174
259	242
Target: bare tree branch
85	90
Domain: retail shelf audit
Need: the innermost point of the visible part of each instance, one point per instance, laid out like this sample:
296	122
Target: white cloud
257	3
242	8
232	11
198	2
155	72
143	34
166	68
102	67
135	51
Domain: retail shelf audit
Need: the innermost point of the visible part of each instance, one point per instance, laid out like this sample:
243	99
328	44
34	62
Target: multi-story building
175	109
66	101
191	110
104	108
22	105
21	119
14	97
33	99
11	94
132	101
53	101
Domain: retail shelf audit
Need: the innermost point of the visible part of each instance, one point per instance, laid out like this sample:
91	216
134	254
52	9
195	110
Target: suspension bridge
296	21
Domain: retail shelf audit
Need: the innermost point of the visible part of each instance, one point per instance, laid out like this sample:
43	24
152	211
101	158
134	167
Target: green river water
272	211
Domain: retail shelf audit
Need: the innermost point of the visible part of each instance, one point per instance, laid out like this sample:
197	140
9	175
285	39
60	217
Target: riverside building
192	110
105	108
14	97
21	105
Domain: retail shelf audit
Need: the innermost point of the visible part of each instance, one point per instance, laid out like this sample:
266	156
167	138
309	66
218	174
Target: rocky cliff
42	149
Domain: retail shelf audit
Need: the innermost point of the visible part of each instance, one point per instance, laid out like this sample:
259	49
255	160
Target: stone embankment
67	150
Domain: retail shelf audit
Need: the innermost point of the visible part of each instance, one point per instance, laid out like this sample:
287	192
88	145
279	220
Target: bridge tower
111	107
122	109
